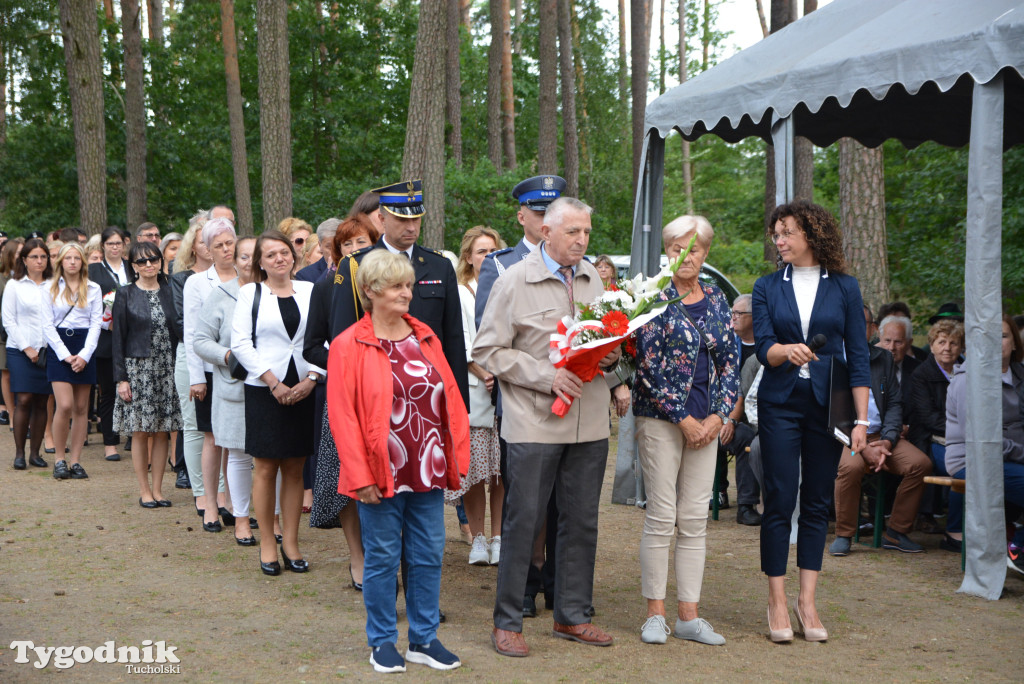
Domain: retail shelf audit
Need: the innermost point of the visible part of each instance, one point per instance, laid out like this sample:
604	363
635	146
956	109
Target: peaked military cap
538	192
404	199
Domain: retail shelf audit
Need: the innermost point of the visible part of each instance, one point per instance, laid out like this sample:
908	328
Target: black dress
273	430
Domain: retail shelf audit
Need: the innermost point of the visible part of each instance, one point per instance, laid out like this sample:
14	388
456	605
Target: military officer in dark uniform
534	195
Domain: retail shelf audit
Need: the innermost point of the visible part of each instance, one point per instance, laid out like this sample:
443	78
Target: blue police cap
538	192
404	199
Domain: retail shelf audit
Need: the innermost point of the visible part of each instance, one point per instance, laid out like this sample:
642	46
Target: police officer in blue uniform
534	195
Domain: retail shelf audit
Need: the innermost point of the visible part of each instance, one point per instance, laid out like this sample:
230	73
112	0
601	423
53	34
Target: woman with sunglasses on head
218	236
72	315
297	231
278	406
213	344
111	274
23	319
143	345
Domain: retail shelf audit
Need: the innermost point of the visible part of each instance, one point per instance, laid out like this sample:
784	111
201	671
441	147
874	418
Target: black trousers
105	380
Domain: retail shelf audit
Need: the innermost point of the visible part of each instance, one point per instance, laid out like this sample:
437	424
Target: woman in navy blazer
810	295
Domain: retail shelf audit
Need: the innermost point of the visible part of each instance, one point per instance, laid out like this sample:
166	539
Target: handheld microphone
816	343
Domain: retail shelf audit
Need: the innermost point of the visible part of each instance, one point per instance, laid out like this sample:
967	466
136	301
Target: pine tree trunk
236	123
508	102
518	44
547	103
156	21
570	137
640	40
683	75
623	65
80	34
862	219
494	86
583	120
110	22
453	81
661	49
134	115
803	149
275	112
424	132
3	82
465	14
779	18
761	18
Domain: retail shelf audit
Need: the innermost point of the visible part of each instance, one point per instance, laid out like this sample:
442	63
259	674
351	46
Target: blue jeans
938	454
417	518
1013	492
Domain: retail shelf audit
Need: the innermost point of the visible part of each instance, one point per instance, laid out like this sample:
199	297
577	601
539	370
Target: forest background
295	108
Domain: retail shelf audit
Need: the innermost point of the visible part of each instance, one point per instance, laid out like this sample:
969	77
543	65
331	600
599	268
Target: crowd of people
353	375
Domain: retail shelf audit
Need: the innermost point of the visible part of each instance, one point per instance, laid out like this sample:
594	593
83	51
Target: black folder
841	411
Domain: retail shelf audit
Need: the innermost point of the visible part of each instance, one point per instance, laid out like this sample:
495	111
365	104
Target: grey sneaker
699	630
655	630
840	547
900	542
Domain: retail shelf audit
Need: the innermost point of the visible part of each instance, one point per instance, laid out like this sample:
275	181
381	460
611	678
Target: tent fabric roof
900	69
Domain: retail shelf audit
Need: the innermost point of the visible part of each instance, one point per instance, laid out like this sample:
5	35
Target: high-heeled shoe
779	636
228	518
273	568
299	565
358	586
810	633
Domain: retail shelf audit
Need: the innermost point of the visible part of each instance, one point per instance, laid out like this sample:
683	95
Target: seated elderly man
885	451
896	335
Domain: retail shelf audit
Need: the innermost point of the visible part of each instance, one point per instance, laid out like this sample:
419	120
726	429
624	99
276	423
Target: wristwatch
313	376
862	422
726	420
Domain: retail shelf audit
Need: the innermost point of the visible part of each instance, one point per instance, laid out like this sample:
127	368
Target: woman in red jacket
403	433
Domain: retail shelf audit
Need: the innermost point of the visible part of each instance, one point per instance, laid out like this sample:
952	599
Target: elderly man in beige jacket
547	453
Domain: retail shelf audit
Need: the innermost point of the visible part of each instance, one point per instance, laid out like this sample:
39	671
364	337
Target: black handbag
235	367
41	358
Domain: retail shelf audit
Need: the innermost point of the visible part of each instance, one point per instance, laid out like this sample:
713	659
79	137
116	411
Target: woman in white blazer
278	405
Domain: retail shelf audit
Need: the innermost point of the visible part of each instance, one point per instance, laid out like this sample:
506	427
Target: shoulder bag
235	367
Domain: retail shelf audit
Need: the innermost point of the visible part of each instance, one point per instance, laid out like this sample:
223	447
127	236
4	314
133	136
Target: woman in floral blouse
686	384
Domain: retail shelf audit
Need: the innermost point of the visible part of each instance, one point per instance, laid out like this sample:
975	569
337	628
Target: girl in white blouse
23	321
72	315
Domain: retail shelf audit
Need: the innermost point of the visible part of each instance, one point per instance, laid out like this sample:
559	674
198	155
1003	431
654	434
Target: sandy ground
81	563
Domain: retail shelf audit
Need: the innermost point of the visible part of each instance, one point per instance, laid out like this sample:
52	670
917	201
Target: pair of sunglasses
299	241
143	261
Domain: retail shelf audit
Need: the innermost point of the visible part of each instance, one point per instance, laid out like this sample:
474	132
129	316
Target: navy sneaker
433	655
385	658
900	542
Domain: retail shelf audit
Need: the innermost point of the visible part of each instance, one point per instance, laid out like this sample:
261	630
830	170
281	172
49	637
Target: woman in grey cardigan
213	345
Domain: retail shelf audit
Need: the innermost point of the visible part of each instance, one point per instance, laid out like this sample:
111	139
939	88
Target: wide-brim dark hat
403	199
948	310
538	192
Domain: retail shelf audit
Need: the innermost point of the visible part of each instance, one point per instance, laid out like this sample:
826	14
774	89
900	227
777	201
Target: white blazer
197	288
274	348
23	314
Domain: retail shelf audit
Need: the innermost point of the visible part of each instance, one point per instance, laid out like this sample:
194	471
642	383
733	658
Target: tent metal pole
984	525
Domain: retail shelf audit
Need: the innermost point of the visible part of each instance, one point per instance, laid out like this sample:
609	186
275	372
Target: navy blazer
313	272
838	314
491	269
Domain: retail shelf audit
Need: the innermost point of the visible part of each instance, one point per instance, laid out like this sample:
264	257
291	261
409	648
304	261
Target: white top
481	411
805	287
197	288
750	401
273	347
119	273
90	316
23	314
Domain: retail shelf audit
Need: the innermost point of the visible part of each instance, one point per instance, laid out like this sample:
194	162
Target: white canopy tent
951	71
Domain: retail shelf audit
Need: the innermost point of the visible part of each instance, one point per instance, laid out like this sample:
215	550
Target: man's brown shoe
511	644
585	634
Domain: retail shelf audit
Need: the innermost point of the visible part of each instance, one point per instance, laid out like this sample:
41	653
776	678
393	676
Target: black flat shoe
246	541
294	565
201	512
51	450
113	457
5	418
358	586
163	503
60	470
78	472
148	504
182	481
37	461
272	569
229	520
279	538
254	524
19	463
212	526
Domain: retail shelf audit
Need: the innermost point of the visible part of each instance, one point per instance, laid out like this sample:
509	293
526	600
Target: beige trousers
678	481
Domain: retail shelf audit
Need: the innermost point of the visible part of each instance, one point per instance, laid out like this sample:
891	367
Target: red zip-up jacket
359	400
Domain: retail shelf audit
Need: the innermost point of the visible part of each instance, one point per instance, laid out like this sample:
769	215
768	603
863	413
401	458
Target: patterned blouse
416	442
666	359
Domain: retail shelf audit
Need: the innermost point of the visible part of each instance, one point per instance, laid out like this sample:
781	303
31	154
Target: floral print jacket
666	359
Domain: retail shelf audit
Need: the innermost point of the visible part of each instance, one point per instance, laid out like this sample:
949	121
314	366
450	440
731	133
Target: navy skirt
60	371
26	377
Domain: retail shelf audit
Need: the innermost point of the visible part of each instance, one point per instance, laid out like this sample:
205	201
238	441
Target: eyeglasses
298	242
143	261
737	314
786	235
150	236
